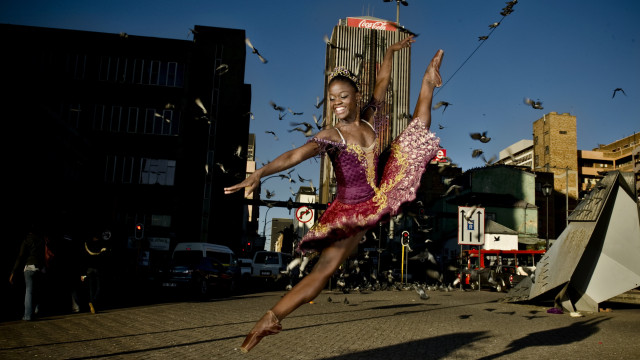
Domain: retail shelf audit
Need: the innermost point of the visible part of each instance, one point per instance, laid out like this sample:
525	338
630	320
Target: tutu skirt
410	154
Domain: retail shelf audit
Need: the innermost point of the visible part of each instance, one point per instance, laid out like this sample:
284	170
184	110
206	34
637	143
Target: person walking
96	251
362	199
31	259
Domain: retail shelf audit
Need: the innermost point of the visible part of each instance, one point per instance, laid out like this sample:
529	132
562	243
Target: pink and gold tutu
361	200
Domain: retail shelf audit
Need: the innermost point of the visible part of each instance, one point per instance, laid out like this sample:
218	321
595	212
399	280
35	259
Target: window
157	171
132	120
562	132
535	140
546	149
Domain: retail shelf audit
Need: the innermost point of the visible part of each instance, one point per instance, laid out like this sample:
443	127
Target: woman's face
343	99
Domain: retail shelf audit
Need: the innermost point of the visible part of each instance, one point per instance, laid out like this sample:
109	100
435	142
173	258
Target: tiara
344	72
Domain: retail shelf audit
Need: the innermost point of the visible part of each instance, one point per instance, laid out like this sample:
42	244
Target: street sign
470	225
304	214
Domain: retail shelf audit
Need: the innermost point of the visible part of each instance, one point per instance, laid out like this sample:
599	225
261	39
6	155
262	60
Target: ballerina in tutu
362	200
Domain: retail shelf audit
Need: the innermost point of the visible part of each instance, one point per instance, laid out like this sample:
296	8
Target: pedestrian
31	259
362	201
96	255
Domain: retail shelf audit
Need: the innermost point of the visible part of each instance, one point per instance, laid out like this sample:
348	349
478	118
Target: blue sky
568	54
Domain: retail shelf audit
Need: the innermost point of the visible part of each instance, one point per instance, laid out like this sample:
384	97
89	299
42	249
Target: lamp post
264	228
546	191
398	2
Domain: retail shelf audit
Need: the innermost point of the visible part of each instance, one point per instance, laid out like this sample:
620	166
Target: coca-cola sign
371	24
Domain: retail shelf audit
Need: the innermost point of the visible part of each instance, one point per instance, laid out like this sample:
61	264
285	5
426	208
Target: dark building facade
106	131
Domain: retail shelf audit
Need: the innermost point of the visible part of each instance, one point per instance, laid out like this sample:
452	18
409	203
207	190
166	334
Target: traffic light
405	238
139	231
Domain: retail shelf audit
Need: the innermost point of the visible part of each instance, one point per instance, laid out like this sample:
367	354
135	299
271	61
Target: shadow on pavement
432	348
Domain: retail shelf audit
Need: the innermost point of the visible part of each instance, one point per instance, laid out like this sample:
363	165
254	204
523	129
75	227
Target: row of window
121	69
124	119
132	170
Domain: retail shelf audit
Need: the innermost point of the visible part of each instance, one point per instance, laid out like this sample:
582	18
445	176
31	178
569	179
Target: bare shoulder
328	134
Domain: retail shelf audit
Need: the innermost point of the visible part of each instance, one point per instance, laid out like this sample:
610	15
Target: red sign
371	24
441	156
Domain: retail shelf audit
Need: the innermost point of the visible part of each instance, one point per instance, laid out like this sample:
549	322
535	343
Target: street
375	325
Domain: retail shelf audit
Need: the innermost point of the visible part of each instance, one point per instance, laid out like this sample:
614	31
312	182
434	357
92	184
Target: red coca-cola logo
370	24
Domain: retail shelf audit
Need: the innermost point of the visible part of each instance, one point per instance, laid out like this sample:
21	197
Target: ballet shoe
267	325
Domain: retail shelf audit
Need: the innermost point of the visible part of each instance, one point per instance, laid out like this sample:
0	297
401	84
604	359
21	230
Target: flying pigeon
255	51
481	137
616	90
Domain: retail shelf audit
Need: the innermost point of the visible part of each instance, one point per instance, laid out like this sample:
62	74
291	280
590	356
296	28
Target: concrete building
108	134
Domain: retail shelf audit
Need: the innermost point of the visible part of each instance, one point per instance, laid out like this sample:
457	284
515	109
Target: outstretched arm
384	74
430	81
285	161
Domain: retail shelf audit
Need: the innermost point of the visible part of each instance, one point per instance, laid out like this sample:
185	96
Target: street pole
546	191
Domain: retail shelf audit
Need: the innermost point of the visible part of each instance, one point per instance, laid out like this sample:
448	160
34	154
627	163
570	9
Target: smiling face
343	99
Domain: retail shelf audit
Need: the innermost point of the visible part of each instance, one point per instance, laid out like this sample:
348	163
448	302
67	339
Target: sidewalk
375	325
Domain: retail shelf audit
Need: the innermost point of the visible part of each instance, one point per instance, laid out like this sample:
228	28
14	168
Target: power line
469	57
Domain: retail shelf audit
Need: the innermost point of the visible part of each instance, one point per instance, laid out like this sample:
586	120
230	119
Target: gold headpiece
344	72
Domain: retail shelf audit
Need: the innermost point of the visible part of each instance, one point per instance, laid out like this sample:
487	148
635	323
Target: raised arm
384	74
285	161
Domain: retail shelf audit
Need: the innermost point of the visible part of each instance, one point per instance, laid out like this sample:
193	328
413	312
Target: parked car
201	268
245	268
269	265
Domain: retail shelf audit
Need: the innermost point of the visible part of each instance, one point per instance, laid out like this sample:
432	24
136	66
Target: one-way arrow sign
470	225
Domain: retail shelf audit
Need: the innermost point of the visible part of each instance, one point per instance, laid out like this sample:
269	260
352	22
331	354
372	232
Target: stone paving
375	325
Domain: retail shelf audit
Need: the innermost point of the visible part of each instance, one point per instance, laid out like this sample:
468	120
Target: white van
223	254
202	267
269	264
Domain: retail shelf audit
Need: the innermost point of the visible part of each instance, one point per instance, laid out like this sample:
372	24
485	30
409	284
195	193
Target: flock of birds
309	129
535	104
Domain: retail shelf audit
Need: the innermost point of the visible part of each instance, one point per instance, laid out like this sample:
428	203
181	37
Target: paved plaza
374	325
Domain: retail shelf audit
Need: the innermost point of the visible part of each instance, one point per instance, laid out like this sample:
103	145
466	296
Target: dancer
362	201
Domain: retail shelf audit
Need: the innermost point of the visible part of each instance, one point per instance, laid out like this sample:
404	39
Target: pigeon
482	137
331	45
404	30
534	104
162	117
422	293
451	188
301	179
200	105
281	115
319	102
272	133
425	255
329	299
440	126
222	168
319	124
222	69
476	153
490	161
255	51
270	194
346	301
293	112
250	115
441	103
616	90
306	130
482	38
276	107
238	152
494	25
